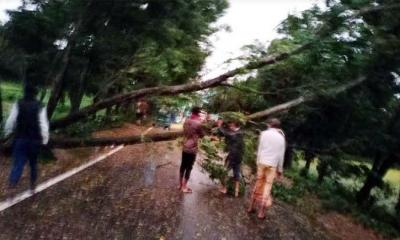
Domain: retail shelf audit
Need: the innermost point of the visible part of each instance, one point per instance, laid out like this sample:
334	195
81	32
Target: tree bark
171	90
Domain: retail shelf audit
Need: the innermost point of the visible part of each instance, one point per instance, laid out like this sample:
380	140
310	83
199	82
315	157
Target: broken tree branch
303	99
172	90
167	136
92	142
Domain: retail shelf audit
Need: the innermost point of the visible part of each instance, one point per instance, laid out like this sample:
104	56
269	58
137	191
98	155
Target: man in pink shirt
270	157
192	132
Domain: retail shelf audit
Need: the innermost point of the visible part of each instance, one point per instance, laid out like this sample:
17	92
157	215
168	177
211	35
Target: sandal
261	216
187	190
261	213
223	190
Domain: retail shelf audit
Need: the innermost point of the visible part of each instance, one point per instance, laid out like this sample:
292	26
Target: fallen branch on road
172	90
168	136
107	141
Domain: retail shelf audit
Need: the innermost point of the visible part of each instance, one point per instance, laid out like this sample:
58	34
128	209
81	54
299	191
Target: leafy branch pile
214	158
213	162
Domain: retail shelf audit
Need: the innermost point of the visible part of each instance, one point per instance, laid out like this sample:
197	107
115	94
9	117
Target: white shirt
271	148
43	123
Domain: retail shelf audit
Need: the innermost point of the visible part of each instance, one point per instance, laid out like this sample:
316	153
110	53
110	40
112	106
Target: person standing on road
28	121
192	132
270	158
235	146
142	109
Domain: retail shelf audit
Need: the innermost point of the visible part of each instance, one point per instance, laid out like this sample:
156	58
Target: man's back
271	148
192	131
27	125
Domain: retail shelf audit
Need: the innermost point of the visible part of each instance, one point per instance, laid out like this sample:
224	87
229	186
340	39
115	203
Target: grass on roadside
334	195
12	91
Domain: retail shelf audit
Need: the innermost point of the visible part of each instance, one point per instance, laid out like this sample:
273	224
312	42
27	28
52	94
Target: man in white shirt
270	157
28	121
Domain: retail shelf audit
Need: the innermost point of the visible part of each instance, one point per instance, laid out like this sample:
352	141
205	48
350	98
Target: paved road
132	195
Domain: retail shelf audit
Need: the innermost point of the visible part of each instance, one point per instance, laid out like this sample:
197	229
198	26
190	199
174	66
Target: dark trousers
24	150
187	165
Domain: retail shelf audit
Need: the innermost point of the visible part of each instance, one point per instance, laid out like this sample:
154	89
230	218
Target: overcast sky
7	4
249	20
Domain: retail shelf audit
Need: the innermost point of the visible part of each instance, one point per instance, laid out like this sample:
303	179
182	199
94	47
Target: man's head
196	111
29	92
233	125
273	123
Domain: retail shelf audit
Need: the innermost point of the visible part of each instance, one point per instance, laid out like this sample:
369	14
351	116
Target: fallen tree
172	90
191	87
167	136
93	142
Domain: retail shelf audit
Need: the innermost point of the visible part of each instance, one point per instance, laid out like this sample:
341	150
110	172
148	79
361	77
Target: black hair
274	122
196	110
30	92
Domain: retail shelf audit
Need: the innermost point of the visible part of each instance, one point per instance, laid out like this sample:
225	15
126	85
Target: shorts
236	171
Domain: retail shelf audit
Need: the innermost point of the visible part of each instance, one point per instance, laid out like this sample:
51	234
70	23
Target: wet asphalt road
133	195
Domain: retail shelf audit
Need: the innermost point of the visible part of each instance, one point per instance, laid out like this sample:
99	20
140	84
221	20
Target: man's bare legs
237	188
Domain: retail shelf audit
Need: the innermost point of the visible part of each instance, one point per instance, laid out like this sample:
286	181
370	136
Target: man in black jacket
28	121
235	147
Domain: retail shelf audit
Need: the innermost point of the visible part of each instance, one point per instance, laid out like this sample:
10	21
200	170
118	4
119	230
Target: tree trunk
75	100
77	92
308	157
288	158
190	87
91	142
381	165
374	179
322	171
58	82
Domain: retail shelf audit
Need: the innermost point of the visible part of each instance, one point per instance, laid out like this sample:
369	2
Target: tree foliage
120	45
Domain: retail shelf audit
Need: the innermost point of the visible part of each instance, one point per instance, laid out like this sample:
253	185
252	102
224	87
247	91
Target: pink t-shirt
192	131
